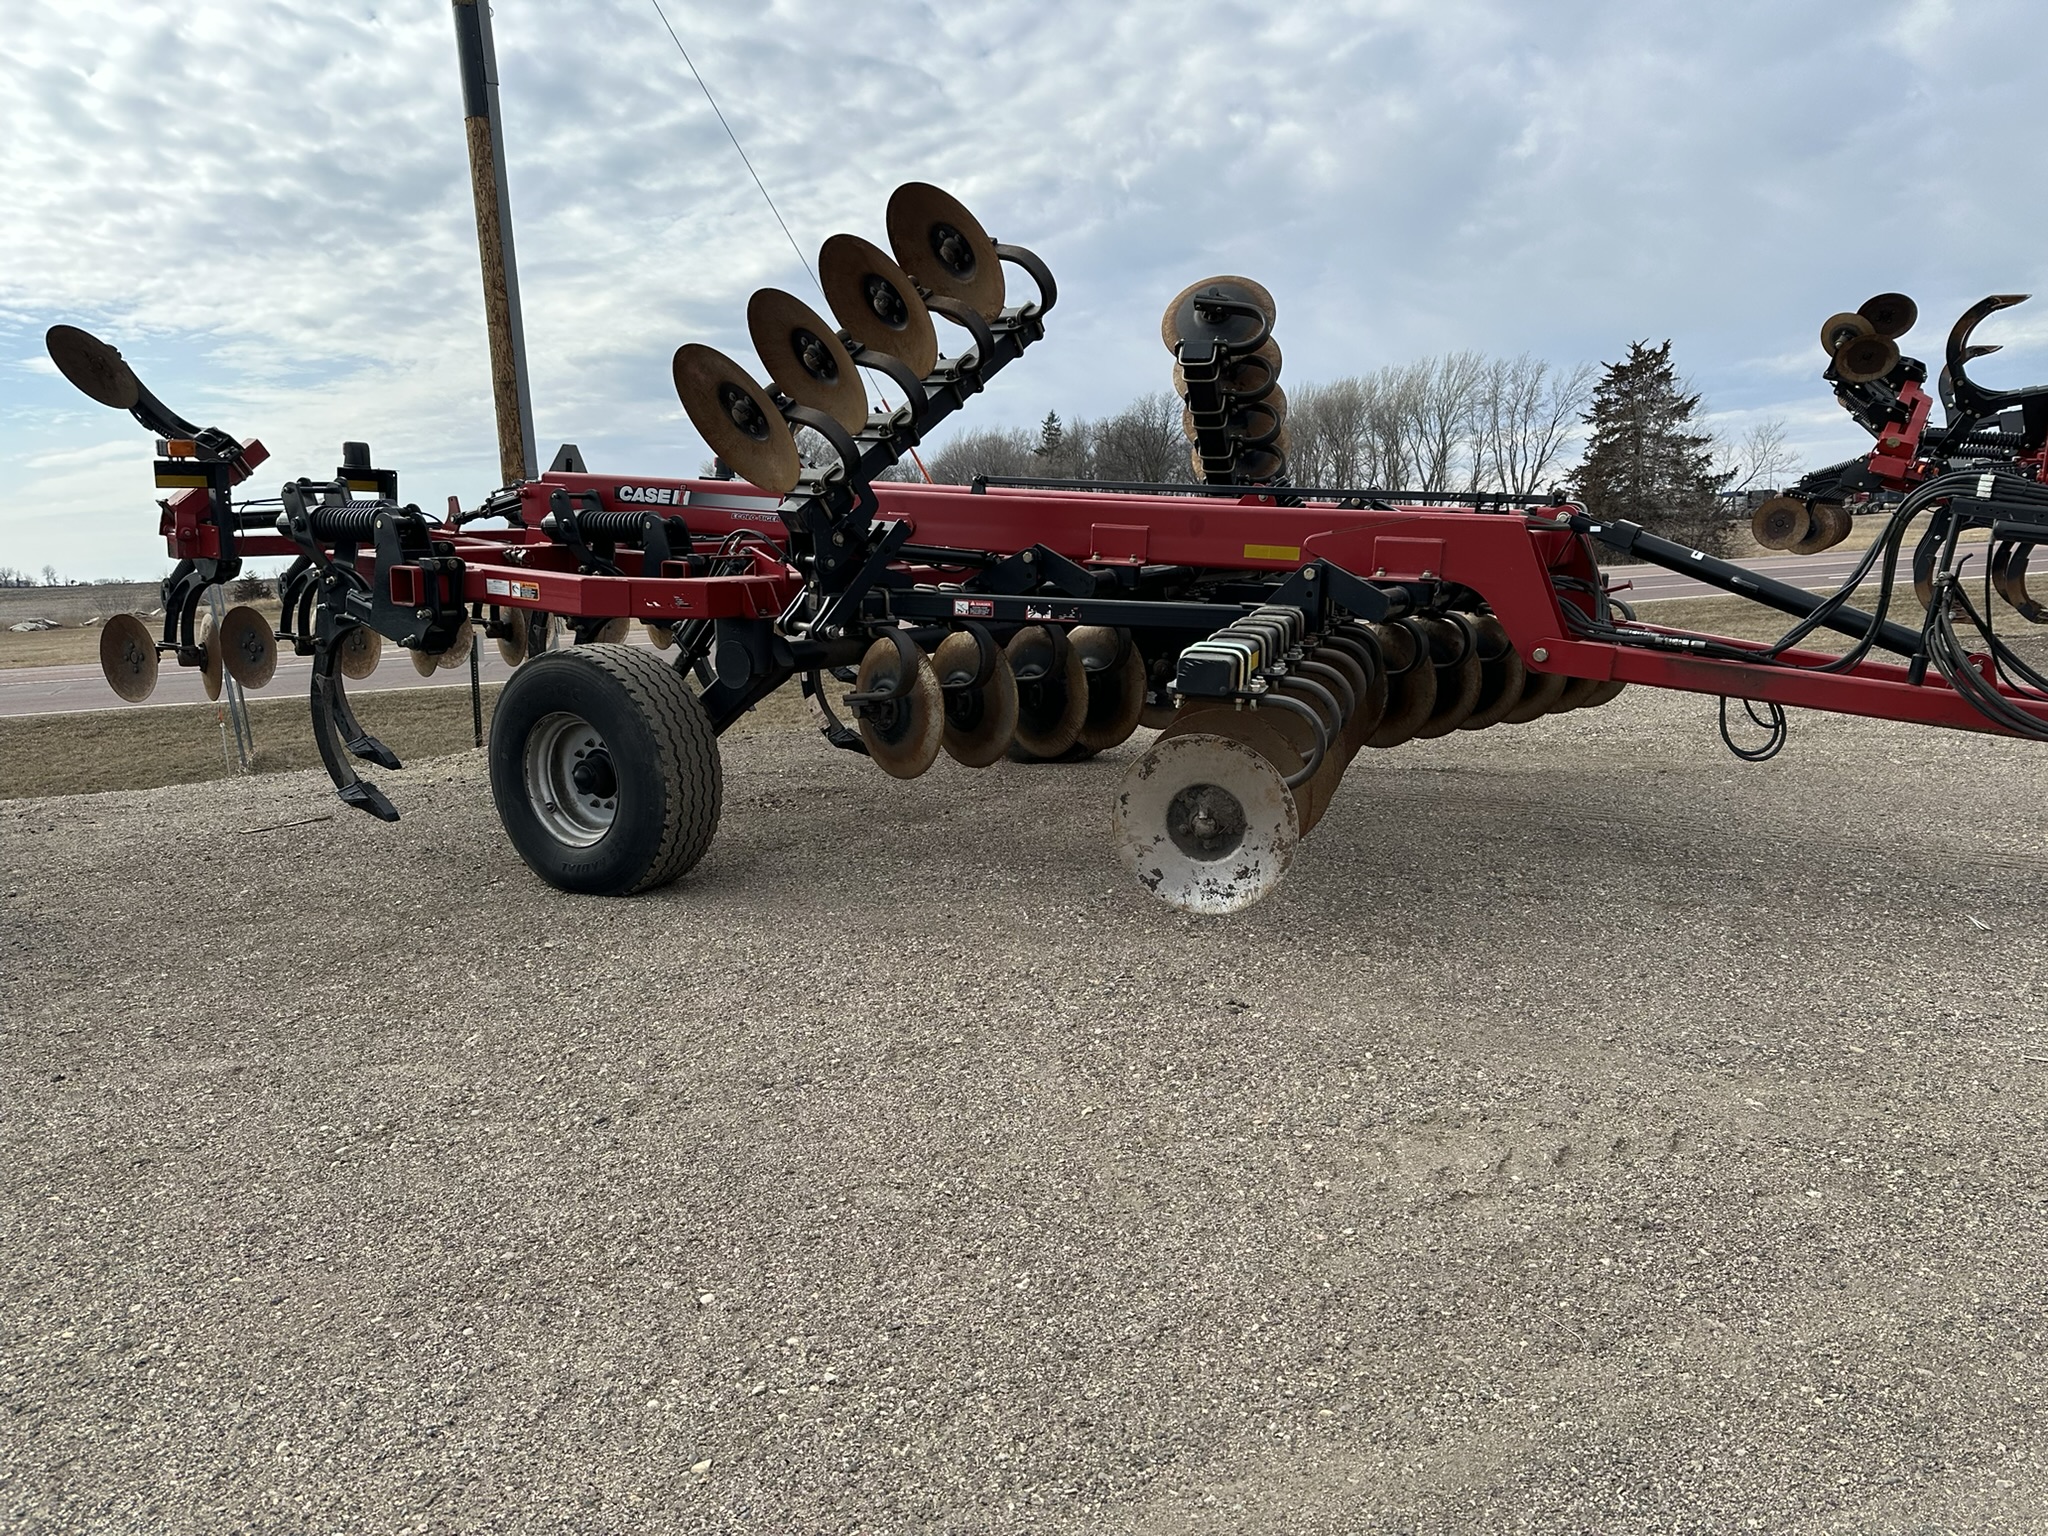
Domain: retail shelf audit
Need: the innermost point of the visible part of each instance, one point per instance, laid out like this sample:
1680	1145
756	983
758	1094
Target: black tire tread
686	751
693	779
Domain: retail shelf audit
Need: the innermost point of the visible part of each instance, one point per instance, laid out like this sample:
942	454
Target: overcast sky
266	205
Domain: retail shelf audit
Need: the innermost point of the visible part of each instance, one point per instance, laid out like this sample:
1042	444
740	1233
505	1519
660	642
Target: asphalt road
1649	583
1593	1134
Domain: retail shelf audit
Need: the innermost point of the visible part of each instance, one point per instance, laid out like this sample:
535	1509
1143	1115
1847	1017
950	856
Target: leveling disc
1780	522
93	366
806	358
1312	800
1837	331
1364	714
208	635
361	649
1116	686
128	657
1831	524
877	302
1505	675
1866	359
1892	314
661	636
1460	674
902	733
1180	323
1254	728
613	632
458	648
1205	823
422	662
518	627
944	248
1539	697
981	711
1411	684
737	419
1052	692
248	646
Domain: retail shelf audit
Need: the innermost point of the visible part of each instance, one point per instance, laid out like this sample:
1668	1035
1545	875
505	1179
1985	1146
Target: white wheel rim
571	779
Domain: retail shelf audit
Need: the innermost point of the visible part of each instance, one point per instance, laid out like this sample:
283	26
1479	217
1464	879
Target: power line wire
736	144
765	197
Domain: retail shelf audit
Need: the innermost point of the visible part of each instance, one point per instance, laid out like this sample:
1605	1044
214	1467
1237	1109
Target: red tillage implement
1269	632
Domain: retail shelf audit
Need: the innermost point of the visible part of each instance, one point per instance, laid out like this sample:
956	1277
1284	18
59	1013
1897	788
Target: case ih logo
651	495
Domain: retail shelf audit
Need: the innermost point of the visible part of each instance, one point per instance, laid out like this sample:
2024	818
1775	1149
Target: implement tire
605	770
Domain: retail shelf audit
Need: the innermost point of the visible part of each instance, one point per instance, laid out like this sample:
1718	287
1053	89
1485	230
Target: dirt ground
1593	1133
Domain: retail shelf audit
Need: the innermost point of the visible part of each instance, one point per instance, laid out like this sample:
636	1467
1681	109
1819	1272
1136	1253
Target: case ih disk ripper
1269	632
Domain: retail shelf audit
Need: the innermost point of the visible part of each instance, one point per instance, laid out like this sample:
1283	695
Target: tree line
1624	438
1461	421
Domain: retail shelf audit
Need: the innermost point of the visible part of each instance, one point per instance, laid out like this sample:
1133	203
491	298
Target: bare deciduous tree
1447	396
1762	459
1526	411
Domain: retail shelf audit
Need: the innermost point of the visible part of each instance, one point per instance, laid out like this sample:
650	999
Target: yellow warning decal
1272	551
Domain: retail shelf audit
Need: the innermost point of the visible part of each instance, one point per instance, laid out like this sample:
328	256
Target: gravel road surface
1594	1133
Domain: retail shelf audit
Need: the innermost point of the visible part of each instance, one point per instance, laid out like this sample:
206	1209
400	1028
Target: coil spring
352	523
611	525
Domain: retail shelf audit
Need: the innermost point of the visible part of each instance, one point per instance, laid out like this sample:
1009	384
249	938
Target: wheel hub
1205	821
571	779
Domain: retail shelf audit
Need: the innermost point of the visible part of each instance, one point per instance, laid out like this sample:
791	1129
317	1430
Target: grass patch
99	750
88	753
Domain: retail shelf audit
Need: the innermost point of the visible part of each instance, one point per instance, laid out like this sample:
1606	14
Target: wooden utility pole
509	390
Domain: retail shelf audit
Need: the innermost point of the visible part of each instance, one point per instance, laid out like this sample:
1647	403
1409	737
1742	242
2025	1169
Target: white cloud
267	206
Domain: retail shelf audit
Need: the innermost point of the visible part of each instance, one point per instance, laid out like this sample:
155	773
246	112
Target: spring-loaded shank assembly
1269	633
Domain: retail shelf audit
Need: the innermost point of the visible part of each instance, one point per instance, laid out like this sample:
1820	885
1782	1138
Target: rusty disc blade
518	627
1838	330
1176	327
806	358
736	417
423	662
1780	522
1866	359
361	649
1205	824
93	367
458	648
661	636
1831	523
128	657
1539	696
944	248
1052	693
981	718
877	303
902	734
1891	314
1411	685
614	632
1459	680
208	635
1116	704
248	646
1505	676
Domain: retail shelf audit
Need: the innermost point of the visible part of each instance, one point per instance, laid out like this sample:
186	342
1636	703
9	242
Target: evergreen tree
1049	434
1644	461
